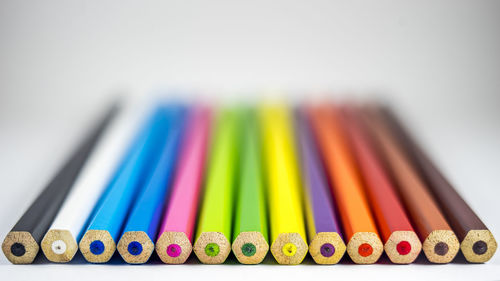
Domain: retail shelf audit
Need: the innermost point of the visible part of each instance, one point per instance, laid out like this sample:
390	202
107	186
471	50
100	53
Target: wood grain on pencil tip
364	245
477	242
440	244
21	244
401	242
326	245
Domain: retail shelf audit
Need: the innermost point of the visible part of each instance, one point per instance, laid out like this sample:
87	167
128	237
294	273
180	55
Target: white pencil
60	242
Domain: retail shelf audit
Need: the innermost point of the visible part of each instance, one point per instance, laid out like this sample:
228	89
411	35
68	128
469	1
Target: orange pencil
364	246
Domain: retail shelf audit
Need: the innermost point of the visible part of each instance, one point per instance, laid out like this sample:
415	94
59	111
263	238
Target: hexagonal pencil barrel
250	239
326	245
287	226
212	245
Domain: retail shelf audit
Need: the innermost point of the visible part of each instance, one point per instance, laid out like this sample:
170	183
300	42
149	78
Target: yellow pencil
287	228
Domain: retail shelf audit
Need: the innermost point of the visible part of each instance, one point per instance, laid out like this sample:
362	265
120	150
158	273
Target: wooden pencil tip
403	247
20	247
327	248
97	246
479	246
441	246
59	245
289	248
365	248
212	247
135	247
173	247
250	247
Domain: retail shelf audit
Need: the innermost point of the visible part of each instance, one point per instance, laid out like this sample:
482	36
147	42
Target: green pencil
215	221
250	240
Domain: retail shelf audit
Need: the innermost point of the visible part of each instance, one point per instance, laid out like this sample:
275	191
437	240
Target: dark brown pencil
477	242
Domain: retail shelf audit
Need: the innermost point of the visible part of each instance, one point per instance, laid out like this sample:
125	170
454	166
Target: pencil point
135	247
173	247
478	246
327	248
441	246
59	245
174	250
403	247
365	247
20	247
289	248
250	247
212	247
97	246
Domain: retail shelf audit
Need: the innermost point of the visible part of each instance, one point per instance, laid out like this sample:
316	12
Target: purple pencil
325	241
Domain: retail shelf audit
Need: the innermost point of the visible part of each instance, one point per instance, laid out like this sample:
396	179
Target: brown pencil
440	244
477	242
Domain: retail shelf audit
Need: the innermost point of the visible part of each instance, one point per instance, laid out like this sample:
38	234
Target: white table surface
437	62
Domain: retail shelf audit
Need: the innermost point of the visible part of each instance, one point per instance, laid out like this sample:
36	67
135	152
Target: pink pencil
174	244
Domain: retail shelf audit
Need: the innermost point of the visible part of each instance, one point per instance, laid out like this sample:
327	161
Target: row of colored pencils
323	179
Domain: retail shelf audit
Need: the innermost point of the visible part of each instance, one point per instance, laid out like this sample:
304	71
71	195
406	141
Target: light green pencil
250	240
215	220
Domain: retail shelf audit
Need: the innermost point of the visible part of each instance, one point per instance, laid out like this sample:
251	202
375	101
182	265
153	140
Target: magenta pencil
174	244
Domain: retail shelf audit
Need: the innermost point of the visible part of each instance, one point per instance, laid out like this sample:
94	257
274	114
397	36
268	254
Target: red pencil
401	243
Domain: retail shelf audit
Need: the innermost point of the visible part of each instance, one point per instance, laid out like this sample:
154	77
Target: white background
437	62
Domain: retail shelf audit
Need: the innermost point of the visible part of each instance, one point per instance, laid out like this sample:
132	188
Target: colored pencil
401	243
287	227
21	245
477	243
212	245
60	242
174	244
440	244
326	245
98	243
364	245
136	243
250	239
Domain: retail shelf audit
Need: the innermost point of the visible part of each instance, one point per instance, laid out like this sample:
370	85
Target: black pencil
21	244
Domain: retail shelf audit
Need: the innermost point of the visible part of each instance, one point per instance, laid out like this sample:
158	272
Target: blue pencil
136	243
98	243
